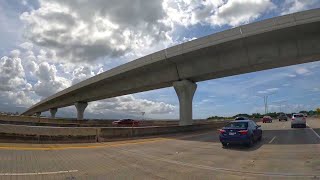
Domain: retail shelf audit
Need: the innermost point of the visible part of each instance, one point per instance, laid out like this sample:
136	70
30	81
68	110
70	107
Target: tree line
271	114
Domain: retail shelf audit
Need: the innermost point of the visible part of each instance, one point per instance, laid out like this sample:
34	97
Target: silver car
298	120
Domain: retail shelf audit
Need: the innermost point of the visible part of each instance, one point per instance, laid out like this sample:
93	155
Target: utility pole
280	104
265	98
265	101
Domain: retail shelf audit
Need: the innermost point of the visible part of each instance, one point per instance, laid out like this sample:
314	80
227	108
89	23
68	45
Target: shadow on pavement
254	147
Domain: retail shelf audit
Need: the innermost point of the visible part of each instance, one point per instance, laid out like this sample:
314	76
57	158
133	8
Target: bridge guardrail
38	134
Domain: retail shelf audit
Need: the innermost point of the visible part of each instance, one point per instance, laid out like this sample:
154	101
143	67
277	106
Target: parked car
244	132
283	117
266	119
126	122
298	120
305	115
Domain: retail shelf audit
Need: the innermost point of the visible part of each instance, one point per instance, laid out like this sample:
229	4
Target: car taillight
222	131
243	132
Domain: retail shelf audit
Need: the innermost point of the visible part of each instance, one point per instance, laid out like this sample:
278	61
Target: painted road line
314	131
272	140
79	147
105	145
37	173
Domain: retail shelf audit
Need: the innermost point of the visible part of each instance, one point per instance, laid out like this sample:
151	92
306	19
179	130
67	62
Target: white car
298	120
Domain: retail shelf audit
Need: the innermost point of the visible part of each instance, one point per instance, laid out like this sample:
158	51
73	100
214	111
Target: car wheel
259	138
224	144
250	143
292	126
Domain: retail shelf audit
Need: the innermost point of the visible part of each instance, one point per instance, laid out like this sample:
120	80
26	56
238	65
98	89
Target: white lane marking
272	139
37	173
314	131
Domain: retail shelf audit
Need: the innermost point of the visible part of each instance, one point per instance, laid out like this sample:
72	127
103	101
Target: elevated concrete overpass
277	42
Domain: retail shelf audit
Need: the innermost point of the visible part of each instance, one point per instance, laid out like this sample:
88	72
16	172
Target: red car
126	122
267	119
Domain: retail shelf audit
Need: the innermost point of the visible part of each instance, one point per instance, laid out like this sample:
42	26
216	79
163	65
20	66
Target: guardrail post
97	134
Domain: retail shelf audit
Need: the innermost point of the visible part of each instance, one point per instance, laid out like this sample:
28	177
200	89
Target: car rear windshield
240	118
237	125
298	115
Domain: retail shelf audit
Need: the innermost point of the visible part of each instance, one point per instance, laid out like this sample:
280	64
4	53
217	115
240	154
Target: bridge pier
53	112
38	114
185	90
81	106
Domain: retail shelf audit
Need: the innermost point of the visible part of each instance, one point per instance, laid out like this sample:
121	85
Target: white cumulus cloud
292	6
130	104
48	81
216	12
12	74
302	71
88	30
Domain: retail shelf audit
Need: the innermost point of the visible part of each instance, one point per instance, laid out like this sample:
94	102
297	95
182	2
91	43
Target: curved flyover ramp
277	42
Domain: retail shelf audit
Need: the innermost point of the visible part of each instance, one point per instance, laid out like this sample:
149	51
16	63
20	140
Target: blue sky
50	45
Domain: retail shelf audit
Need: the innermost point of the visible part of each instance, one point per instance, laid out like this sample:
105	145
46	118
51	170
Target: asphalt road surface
284	153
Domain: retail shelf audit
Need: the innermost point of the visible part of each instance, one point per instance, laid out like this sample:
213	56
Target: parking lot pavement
284	153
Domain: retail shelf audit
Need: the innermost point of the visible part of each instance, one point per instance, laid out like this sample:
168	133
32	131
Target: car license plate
232	133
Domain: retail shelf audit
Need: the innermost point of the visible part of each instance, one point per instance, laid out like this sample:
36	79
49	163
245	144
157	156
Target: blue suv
244	132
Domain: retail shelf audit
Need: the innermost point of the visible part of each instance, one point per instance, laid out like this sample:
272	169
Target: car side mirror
258	126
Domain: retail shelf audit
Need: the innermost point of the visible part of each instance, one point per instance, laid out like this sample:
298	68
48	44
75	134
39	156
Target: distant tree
256	115
304	112
318	110
216	117
273	114
244	115
311	112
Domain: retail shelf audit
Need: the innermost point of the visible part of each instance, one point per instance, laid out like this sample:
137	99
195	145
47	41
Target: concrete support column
53	112
81	106
185	90
38	114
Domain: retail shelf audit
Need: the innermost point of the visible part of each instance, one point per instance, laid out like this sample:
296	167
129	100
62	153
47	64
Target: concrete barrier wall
144	131
36	134
34	119
47	131
90	134
43	121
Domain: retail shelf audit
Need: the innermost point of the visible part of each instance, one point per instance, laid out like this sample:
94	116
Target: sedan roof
246	120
